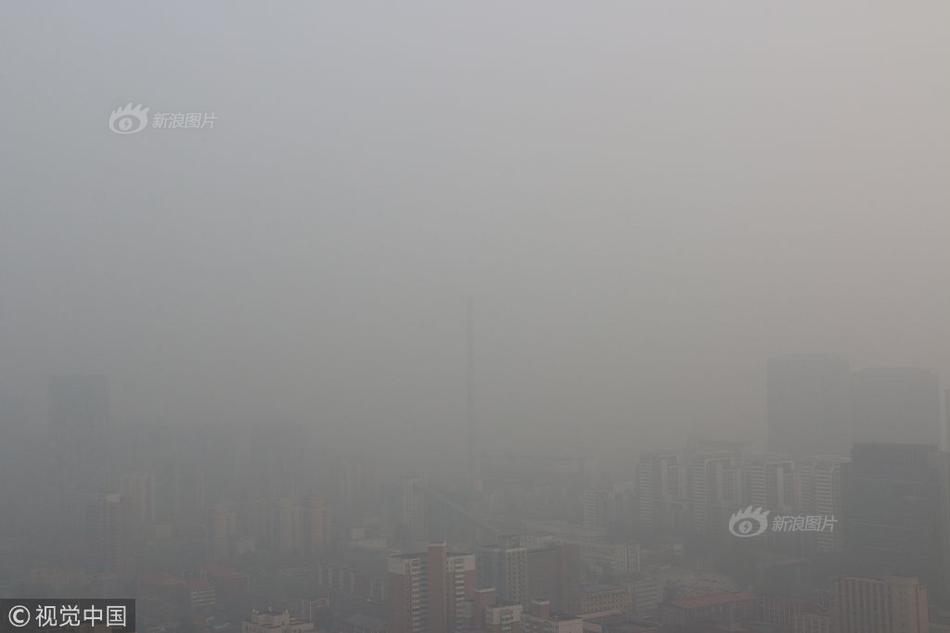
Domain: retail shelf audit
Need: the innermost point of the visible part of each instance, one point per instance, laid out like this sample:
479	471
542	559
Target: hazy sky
644	199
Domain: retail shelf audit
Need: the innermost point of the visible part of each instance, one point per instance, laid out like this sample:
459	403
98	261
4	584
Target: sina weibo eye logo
749	522
128	119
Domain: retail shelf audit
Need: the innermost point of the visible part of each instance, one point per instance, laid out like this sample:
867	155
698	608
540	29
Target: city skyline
478	317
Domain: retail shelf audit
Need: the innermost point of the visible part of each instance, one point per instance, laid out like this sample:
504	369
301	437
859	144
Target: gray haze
643	199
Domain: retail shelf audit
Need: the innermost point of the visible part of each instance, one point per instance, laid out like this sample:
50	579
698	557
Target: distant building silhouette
105	531
554	574
897	404
809	405
895	504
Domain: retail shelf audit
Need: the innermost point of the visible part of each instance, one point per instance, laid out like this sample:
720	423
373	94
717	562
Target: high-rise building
482	599
413	514
781	609
661	480
105	531
554	575
819	491
895	505
504	567
909	605
315	532
431	592
897	404
714	492
809	405
137	488
594	504
222	532
646	591
504	618
286	525
296	526
351	476
880	605
180	497
769	481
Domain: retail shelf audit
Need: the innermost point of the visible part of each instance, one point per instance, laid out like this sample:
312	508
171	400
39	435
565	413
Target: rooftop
711	599
598	588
